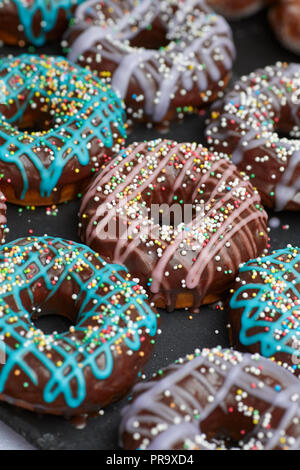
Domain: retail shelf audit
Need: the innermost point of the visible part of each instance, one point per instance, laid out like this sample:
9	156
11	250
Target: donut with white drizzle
183	219
157	83
248	124
212	397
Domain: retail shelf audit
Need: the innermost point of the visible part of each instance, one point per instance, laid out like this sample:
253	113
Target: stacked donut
164	224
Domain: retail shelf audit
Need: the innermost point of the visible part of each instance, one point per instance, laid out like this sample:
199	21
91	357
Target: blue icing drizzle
26	259
49	14
271	290
83	108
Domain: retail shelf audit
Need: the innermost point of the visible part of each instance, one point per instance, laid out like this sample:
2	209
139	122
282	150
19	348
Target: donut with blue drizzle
265	307
99	358
34	21
58	125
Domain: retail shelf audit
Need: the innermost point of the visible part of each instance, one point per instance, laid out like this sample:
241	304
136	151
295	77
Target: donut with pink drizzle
258	123
181	219
164	57
214	399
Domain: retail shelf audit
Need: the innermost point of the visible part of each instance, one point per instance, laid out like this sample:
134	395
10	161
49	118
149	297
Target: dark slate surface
181	333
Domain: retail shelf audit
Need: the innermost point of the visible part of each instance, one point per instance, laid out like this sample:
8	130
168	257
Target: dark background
181	331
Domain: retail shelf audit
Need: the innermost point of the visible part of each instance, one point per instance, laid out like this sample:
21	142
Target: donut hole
286	126
283	134
32	120
288	133
153	37
51	313
50	322
236	428
38	122
54	315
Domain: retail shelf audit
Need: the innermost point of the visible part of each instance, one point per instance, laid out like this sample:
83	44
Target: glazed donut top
211	395
29	11
200	50
247	123
83	120
201	252
110	313
266	294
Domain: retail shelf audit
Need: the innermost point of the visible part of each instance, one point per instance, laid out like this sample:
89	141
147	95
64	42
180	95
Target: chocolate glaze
215	399
198	257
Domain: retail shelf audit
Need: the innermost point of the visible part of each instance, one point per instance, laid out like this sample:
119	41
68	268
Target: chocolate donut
181	219
164	57
212	397
264	307
235	9
3	227
285	20
58	125
99	358
34	21
251	123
